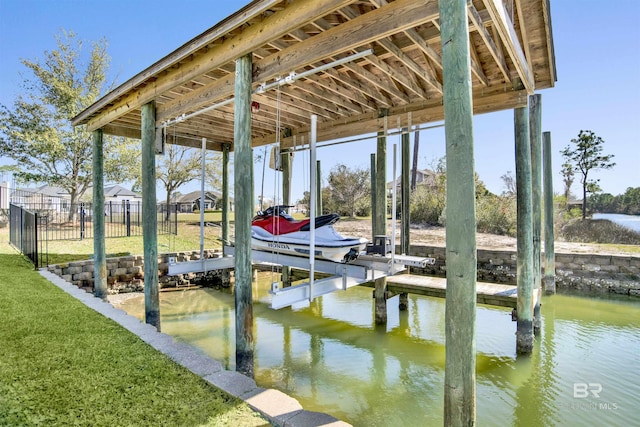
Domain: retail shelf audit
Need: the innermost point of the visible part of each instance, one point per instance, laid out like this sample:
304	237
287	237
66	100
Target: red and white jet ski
274	230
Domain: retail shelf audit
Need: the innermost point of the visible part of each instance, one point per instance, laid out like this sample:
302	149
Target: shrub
427	206
496	215
597	231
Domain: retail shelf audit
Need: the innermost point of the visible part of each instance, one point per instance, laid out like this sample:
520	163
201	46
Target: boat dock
487	293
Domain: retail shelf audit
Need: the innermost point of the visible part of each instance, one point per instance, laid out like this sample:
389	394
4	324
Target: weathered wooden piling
460	306
549	281
373	196
381	219
149	218
285	161
405	172
225	193
405	190
99	251
524	332
243	202
535	135
318	188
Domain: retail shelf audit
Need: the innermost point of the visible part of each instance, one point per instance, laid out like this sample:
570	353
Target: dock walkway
488	293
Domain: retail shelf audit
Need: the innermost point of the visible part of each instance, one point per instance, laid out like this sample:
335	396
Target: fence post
36	259
128	217
81	221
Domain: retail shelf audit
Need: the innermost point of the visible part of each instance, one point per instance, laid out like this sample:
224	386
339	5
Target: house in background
118	199
117	193
43	197
424	177
190	202
59	199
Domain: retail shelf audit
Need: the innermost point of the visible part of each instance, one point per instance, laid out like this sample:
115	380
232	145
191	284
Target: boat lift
365	268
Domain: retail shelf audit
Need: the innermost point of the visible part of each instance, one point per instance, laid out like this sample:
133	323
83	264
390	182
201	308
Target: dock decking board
487	293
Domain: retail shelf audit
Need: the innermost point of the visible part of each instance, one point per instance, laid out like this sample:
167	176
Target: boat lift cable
302	147
263	87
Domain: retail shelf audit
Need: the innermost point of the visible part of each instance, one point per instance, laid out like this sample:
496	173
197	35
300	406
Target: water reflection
332	357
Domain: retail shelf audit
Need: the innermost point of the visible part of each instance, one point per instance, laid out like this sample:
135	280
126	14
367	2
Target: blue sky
597	46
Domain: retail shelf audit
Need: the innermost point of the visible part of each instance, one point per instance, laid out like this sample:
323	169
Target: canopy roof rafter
402	75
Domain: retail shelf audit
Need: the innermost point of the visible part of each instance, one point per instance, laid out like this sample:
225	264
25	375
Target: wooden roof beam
411	64
335	86
311	96
421	112
475	61
523	30
251	38
323	25
360	70
495	52
399	54
316	90
507	33
376	81
346	37
255	8
416	38
400	78
361	31
369	90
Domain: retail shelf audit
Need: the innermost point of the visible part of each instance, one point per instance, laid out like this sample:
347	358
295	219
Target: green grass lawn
62	363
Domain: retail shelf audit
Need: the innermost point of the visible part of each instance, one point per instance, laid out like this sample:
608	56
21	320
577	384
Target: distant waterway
331	357
629	221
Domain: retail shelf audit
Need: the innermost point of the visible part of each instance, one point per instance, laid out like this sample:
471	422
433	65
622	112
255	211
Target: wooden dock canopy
511	57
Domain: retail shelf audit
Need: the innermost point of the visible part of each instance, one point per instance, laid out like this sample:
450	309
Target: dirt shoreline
435	236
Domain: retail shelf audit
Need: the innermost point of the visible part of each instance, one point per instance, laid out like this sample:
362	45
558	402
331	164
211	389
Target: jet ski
274	230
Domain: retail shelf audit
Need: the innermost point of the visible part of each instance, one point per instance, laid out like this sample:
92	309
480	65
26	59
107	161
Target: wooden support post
381	219
524	333
318	188
285	161
405	189
535	134
405	192
225	194
149	218
380	301
373	196
549	281
99	252
381	184
414	169
403	301
243	180
226	275
460	305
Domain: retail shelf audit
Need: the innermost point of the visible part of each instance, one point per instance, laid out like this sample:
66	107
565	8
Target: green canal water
584	371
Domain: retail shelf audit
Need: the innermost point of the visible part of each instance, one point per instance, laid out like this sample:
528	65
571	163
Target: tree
509	182
213	171
568	176
37	132
585	157
347	186
179	166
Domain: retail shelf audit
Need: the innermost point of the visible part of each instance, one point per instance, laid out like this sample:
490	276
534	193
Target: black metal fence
36	219
25	228
65	221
